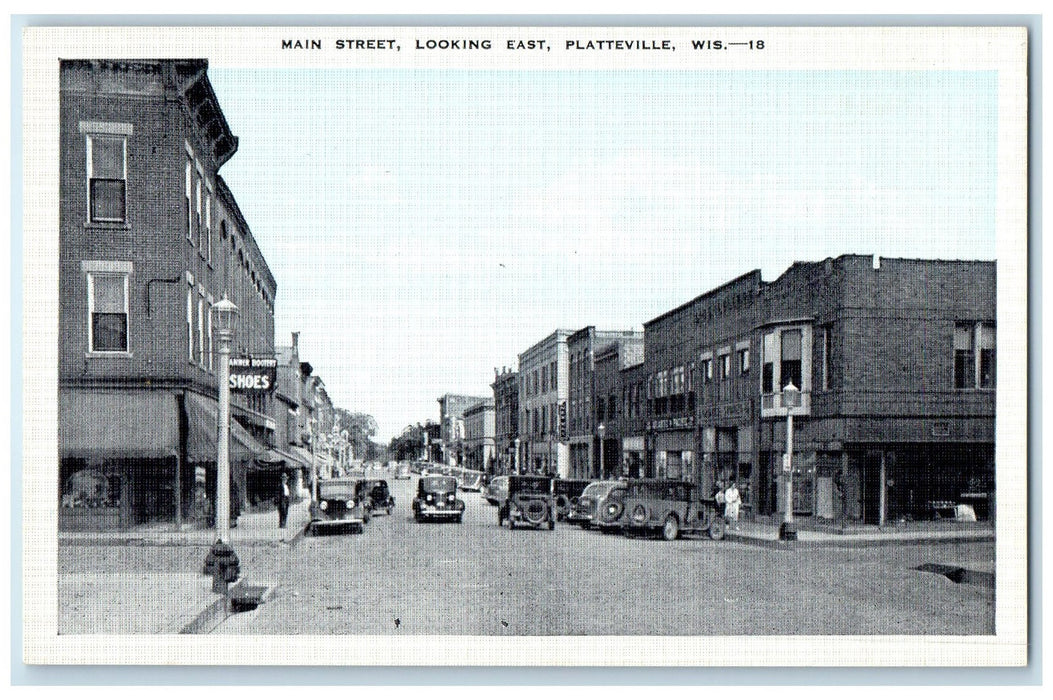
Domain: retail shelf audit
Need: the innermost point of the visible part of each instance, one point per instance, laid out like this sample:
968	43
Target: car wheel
670	528
551	524
457	519
717	529
308	531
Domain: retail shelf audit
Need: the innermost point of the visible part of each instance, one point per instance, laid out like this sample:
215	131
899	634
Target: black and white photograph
525	345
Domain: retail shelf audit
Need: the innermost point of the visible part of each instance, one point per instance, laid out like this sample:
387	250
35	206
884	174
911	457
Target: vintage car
670	508
402	471
437	499
470	480
496	491
336	508
529	502
599	505
566	493
375	495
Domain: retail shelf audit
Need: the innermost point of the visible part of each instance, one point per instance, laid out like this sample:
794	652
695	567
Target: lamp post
314	460
791	399
221	560
600	429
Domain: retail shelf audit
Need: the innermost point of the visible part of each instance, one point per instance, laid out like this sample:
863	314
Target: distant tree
407	445
360	427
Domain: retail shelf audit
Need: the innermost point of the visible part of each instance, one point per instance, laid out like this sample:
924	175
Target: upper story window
107	305
744	360
725	367
206	244
107	170
790	366
189	192
705	367
972	341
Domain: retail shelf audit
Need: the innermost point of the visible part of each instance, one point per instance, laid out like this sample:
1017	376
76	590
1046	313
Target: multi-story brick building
149	238
543	392
623	448
506	419
451	422
895	360
582	423
479	436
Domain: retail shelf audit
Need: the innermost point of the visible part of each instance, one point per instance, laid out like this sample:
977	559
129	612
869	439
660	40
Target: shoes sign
253	375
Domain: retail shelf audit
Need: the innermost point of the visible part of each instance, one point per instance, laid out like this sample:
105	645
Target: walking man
284	498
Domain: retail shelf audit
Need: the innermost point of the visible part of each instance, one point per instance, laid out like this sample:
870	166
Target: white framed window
106	171
107	284
190	322
207	243
189	194
201	327
197	198
211	368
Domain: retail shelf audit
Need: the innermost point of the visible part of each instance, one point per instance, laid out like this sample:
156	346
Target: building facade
149	238
506	420
543	393
451	424
895	363
479	433
622	448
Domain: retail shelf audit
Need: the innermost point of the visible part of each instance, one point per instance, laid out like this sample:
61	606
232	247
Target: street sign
562	420
786	464
253	375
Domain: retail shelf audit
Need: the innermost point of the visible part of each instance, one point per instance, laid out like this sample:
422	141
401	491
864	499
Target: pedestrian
732	502
284	498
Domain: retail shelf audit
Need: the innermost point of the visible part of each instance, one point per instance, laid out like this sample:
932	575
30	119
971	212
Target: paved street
400	577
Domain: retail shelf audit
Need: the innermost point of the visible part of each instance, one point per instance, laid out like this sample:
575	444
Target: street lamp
791	399
221	560
600	429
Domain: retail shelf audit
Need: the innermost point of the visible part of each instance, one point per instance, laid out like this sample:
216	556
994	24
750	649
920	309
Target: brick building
896	363
451	425
479	432
615	413
543	393
582	421
506	419
149	238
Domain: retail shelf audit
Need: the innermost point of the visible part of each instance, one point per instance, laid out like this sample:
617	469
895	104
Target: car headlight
450	497
323	505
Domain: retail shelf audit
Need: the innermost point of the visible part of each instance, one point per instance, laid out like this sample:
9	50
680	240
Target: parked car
402	471
597	497
529	502
376	495
437	499
601	505
496	491
471	480
566	493
670	508
337	507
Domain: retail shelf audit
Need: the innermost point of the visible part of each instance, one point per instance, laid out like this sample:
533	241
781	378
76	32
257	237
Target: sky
427	226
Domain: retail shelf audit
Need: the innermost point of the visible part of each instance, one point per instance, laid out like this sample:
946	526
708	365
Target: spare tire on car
534	511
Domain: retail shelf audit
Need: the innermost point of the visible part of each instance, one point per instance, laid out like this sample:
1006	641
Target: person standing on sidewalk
284	498
732	502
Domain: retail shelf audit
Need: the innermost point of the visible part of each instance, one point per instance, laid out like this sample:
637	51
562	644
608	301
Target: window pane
109	293
109	332
791	346
963	369
987	369
768	378
987	337
107	200
963	337
107	158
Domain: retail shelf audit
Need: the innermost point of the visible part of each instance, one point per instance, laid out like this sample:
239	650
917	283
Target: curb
855	542
219	610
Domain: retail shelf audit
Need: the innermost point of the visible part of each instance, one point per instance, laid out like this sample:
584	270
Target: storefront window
89	488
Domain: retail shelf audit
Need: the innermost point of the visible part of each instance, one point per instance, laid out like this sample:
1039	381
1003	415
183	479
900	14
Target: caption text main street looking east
485	44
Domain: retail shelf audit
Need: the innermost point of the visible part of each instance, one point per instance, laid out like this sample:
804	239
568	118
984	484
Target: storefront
674	442
633	457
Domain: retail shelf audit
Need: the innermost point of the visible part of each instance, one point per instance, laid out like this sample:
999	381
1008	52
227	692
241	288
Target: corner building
896	362
543	392
149	238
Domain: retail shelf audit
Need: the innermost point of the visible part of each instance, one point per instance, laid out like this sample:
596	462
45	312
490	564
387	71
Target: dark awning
276	460
203	423
99	425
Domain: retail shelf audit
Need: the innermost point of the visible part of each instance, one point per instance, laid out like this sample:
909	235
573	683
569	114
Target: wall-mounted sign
253	375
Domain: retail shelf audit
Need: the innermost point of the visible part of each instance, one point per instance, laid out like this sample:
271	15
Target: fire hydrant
223	564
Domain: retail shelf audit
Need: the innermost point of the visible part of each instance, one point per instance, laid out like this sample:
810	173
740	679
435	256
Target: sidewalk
132	593
810	534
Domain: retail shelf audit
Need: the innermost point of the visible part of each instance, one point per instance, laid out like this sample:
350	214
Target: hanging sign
253	375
